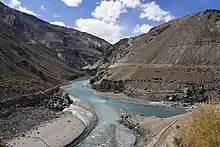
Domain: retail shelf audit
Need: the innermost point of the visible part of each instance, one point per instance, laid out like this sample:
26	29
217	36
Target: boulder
59	101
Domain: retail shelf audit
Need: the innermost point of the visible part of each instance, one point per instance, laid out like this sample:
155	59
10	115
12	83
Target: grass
202	129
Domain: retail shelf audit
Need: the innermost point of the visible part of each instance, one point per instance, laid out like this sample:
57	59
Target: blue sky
111	19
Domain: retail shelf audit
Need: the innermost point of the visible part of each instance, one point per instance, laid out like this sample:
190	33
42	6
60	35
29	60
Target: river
108	132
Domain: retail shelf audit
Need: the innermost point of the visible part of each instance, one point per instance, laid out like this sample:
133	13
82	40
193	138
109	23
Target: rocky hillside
125	48
71	46
192	40
117	52
35	55
176	60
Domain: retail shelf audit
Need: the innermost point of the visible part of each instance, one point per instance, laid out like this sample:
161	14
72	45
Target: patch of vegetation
202	129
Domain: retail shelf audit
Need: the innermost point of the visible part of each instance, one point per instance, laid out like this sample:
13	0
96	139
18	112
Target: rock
92	80
171	98
128	121
59	101
186	90
106	85
185	105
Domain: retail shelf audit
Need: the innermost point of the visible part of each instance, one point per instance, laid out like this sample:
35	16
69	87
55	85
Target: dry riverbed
56	133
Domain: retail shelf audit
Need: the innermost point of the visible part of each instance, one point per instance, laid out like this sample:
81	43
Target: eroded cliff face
162	64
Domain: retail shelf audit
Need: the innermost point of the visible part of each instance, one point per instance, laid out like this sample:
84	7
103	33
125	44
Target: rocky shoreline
136	100
187	93
56	133
128	121
154	131
27	112
186	84
83	111
76	122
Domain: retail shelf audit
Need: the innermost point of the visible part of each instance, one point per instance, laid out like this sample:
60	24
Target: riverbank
56	133
69	128
107	131
31	111
22	114
84	111
80	109
20	120
156	132
124	98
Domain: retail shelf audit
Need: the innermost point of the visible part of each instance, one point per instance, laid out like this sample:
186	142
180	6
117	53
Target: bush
215	101
202	129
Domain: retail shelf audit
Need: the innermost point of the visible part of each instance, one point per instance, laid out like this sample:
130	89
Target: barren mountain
35	55
176	60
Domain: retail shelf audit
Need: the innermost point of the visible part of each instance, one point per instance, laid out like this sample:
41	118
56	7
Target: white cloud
16	4
56	16
145	28
25	10
131	3
58	23
105	23
109	11
152	11
72	3
42	8
108	31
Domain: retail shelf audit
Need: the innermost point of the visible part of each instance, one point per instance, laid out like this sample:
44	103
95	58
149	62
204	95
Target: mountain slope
192	40
35	55
74	47
183	53
195	35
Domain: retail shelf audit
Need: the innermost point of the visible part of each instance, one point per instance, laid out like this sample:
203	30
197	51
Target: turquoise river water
108	132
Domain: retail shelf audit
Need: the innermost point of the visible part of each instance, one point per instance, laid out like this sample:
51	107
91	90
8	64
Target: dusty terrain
35	55
176	83
57	133
190	40
177	61
156	132
18	115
